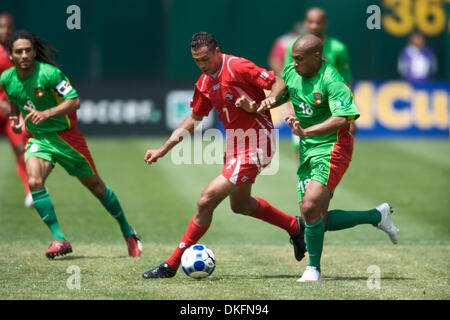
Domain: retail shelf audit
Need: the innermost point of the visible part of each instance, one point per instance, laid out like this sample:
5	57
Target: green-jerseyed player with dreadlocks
38	89
323	109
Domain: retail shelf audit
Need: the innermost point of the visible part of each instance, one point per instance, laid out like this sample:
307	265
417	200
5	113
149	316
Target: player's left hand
35	116
16	126
244	103
294	124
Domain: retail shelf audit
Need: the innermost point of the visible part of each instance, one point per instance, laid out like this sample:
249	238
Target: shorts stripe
340	157
84	153
234	176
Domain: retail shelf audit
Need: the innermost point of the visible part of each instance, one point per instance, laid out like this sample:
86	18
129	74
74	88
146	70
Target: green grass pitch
254	259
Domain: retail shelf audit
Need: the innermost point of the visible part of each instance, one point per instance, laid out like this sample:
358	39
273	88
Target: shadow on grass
365	278
256	277
296	276
88	258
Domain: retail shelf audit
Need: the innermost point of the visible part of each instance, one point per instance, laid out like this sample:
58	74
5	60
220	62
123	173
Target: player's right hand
152	155
16	126
266	104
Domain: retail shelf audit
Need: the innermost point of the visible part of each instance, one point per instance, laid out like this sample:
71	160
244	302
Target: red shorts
239	173
243	168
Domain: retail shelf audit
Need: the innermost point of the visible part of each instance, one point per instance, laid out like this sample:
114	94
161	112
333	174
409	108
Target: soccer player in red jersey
227	81
17	141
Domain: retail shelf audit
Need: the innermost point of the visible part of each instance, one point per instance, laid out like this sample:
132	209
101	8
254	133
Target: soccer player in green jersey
323	108
334	51
38	89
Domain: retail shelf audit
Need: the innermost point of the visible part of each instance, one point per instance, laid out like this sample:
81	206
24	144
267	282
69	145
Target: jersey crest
317	98
39	92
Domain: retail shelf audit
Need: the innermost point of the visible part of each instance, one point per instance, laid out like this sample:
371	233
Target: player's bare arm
278	90
273	100
184	129
16	126
65	107
330	125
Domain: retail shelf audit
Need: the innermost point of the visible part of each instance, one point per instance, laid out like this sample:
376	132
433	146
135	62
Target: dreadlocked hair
45	52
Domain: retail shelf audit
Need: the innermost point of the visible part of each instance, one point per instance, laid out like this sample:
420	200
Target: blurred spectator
417	62
278	51
334	51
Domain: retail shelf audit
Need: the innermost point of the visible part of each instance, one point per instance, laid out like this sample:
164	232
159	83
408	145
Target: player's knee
309	210
97	188
204	203
35	183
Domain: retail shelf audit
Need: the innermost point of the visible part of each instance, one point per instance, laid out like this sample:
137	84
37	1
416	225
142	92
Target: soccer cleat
161	271
29	203
134	245
386	224
298	240
311	274
58	248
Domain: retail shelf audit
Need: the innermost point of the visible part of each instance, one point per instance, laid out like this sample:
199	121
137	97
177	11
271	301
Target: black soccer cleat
161	271
298	240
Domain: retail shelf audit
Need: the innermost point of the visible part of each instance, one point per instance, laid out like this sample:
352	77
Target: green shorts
326	169
68	148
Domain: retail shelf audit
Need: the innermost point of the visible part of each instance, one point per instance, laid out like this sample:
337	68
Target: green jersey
315	100
45	88
334	51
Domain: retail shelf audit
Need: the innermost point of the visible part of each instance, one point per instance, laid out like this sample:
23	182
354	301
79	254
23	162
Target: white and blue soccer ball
198	261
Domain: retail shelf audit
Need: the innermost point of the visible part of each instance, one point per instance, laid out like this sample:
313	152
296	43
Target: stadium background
131	62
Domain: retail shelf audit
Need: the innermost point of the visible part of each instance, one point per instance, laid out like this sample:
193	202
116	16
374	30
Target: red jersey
5	64
249	135
237	77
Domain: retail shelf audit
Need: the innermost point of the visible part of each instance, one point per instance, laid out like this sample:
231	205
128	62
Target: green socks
337	220
46	210
111	203
314	234
340	219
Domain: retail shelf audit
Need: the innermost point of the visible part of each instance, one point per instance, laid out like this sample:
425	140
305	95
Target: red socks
193	233
264	212
274	216
22	172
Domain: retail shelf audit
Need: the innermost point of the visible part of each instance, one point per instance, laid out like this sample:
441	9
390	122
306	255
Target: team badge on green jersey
317	98
39	92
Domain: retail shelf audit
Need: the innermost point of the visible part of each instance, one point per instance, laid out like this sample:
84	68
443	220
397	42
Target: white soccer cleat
386	224
311	274
29	203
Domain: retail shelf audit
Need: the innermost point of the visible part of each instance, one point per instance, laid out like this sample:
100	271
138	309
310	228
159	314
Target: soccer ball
198	261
